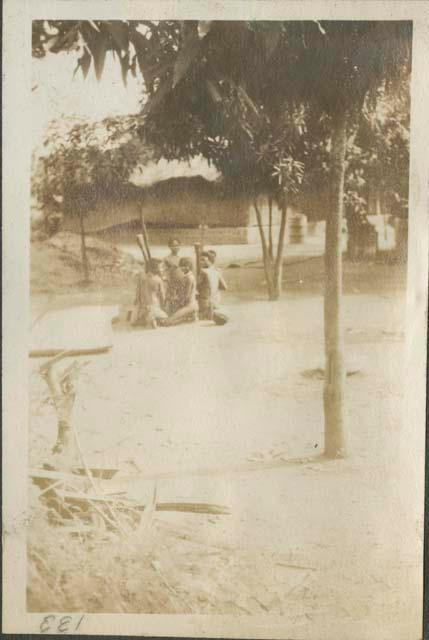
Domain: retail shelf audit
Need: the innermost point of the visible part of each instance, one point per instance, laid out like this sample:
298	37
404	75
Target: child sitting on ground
173	283
187	300
150	296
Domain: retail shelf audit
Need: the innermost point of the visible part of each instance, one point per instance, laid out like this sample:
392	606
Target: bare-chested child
150	296
187	299
222	284
210	283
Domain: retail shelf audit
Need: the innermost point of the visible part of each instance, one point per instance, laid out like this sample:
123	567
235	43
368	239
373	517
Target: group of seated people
168	293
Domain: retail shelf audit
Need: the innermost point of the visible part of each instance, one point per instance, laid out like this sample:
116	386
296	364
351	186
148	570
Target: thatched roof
185	201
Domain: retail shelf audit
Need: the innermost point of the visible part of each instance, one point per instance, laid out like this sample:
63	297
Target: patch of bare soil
56	264
216	414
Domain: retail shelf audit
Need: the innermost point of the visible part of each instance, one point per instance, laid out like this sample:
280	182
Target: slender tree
357	58
85	158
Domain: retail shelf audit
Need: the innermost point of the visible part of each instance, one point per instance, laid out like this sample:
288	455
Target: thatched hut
188	207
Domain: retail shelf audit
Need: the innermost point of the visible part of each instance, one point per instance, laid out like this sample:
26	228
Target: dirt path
216	413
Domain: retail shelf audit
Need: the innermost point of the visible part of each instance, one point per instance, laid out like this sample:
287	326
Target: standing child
172	260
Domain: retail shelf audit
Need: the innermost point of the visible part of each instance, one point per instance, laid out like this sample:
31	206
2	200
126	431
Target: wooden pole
203	229
197	248
144	233
140	242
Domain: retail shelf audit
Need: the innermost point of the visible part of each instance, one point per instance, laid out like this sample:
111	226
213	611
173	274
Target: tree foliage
383	141
99	155
254	98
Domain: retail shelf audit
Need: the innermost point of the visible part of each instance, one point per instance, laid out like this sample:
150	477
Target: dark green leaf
84	63
119	32
141	46
125	66
133	66
98	47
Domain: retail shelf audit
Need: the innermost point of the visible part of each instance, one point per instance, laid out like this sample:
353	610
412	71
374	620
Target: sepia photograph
221	249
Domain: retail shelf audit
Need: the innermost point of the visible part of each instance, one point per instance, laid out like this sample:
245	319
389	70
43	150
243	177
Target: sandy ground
218	413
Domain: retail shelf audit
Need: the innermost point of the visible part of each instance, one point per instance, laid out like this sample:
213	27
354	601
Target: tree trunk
197	249
265	254
145	234
85	261
278	266
270	228
378	203
334	356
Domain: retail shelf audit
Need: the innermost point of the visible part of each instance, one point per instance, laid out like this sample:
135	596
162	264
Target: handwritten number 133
56	624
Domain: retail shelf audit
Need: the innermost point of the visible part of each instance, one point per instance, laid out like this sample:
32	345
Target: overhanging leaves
125	67
97	45
84	63
119	32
